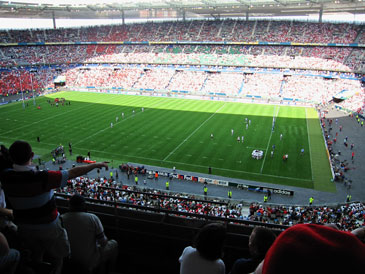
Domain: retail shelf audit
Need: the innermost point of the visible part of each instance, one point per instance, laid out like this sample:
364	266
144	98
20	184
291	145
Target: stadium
240	113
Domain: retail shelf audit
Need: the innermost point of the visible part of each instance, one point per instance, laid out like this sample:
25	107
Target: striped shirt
30	194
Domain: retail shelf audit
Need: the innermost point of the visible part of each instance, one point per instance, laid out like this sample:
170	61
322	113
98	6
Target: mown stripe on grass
321	170
187	138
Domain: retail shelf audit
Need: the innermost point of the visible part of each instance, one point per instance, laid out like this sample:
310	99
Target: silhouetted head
209	241
261	239
77	203
21	152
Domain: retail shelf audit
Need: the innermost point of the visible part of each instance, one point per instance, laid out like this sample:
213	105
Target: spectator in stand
89	246
6	214
324	249
347	217
260	241
360	233
30	194
205	256
9	257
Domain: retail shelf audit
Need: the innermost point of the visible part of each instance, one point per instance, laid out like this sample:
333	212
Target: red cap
310	248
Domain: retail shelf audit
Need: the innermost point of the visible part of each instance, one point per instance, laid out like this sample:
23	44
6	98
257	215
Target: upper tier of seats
198	30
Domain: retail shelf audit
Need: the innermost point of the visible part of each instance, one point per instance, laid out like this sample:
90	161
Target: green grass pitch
176	132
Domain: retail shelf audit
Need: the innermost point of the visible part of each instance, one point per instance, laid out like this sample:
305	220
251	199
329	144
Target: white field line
309	143
194	165
108	127
50	117
268	143
159	160
191	134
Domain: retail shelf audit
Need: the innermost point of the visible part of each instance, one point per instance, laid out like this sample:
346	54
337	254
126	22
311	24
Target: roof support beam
243	3
209	3
54	20
281	2
320	14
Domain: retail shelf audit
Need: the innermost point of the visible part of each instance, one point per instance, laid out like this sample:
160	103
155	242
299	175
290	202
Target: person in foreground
260	240
311	248
89	245
205	256
30	195
9	257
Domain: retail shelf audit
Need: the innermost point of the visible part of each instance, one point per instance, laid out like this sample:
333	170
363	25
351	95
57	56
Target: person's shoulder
244	265
78	214
189	250
91	216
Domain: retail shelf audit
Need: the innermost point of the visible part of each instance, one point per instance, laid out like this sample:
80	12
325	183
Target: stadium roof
135	9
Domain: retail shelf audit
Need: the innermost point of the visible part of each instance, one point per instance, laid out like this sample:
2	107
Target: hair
5	160
260	241
77	203
209	241
20	152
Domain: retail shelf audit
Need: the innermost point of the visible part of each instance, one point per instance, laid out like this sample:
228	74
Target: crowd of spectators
16	81
266	85
317	89
156	79
308	86
356	102
327	58
319	58
188	81
109	190
227	83
301	87
196	30
347	217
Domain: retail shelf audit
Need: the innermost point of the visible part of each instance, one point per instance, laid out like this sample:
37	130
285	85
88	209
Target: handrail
167	212
163	195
